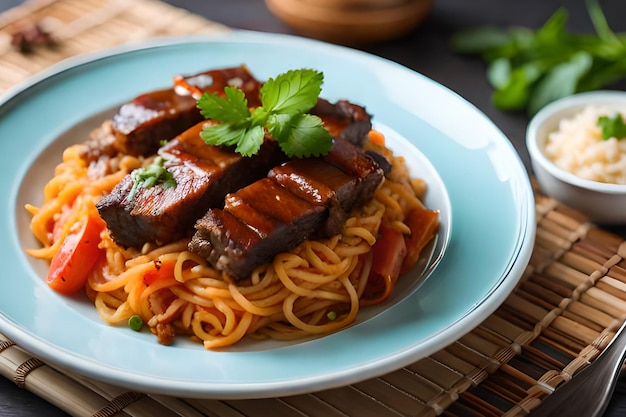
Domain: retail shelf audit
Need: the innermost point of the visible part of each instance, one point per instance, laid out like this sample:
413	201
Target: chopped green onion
331	315
151	175
135	322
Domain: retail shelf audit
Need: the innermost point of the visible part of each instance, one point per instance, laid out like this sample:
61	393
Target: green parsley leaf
151	175
248	141
300	135
233	108
251	141
612	127
284	103
292	92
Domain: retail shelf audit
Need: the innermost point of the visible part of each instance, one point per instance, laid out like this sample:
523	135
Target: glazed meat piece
353	160
266	206
317	181
302	199
141	125
220	236
203	174
344	119
257	222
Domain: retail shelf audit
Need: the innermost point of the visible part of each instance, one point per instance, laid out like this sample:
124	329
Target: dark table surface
425	50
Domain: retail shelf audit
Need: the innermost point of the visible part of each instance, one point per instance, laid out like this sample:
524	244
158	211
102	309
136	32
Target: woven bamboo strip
588	316
618	272
310	405
612	286
509	331
215	408
401	400
351	401
51	385
435	372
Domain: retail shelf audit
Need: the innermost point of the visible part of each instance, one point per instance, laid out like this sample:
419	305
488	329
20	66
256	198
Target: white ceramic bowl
603	203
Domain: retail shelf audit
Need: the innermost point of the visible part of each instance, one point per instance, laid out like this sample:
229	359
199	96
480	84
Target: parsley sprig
151	175
612	127
285	101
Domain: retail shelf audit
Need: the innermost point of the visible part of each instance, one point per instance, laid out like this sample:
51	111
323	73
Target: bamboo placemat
559	318
79	26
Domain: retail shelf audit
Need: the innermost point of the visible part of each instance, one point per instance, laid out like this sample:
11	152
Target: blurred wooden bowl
351	21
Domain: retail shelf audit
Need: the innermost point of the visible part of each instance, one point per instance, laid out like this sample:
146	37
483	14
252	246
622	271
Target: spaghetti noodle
316	288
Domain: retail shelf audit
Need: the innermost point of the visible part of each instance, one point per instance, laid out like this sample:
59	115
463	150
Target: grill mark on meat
354	161
316	180
266	207
256	217
302	199
204	175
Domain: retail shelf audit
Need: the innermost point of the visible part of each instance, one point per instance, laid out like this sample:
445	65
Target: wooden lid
351	21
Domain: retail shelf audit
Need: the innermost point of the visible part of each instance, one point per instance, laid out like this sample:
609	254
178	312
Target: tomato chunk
77	256
424	225
388	255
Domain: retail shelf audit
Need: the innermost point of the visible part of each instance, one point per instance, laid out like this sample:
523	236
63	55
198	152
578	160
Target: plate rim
498	292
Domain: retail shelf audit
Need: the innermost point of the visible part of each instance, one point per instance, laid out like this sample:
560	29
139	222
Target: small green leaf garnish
151	175
612	127
284	103
135	323
233	108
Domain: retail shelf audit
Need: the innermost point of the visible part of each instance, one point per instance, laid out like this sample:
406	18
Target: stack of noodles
316	288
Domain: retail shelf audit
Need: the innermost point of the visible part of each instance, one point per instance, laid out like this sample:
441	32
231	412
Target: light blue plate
444	138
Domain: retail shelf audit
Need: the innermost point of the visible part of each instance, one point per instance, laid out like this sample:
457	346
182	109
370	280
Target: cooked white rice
577	147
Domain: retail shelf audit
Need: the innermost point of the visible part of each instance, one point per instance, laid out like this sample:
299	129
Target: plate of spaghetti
197	217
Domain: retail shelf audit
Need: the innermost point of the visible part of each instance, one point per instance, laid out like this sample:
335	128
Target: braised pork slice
257	222
344	119
203	174
308	198
317	181
141	125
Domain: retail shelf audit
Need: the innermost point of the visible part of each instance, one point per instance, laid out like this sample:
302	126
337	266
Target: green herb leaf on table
528	68
560	81
612	127
284	103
